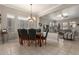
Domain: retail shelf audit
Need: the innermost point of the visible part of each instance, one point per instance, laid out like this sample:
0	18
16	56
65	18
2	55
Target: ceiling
67	10
36	8
43	9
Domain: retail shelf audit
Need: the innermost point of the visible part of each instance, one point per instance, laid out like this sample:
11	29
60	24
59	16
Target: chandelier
31	18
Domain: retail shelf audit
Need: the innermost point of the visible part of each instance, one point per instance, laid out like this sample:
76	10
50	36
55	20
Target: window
23	23
65	25
73	24
10	23
10	16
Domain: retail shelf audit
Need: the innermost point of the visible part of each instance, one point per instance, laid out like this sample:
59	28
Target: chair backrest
46	33
23	33
38	30
32	33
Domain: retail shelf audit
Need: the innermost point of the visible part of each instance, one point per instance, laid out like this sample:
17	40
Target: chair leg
38	42
21	42
45	42
35	43
24	41
28	42
42	41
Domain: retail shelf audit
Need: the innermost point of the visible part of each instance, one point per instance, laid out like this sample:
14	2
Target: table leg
40	42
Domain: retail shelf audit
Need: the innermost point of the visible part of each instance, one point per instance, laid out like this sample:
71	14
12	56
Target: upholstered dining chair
44	38
23	36
32	36
19	34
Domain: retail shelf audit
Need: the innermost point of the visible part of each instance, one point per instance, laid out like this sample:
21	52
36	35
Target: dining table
38	38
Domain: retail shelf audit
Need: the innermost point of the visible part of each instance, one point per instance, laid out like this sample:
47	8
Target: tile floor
53	47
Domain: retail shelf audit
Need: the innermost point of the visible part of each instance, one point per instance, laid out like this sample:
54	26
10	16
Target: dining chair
38	37
32	36
44	38
25	35
20	36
